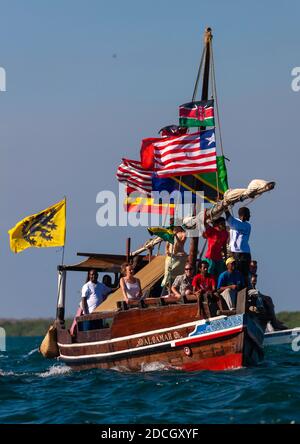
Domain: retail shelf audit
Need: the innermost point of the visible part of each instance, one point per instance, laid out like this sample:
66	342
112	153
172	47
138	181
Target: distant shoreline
28	327
39	327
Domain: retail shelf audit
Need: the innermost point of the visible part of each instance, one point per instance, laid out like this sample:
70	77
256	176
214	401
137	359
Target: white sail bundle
232	196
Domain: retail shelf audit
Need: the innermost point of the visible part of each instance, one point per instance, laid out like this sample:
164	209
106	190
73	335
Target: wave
9	373
55	370
145	367
154	367
30	353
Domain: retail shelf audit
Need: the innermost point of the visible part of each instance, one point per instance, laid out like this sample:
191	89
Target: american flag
188	154
136	177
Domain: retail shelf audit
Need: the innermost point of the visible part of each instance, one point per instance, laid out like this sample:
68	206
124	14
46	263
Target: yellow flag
44	229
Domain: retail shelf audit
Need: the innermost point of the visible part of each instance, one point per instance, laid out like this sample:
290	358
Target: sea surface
34	390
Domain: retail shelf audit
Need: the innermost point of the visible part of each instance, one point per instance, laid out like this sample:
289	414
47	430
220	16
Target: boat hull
221	343
282	337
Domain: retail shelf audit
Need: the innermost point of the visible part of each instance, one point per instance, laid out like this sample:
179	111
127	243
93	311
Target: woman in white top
131	286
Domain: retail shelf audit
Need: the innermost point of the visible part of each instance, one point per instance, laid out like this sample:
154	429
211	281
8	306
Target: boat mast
193	253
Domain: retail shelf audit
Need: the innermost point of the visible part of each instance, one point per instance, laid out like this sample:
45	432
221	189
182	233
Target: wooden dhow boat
156	333
161	332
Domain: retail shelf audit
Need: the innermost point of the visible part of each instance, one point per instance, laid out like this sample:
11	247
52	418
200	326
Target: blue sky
87	80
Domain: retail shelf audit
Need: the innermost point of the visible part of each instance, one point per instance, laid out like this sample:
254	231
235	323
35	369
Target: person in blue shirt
230	282
240	230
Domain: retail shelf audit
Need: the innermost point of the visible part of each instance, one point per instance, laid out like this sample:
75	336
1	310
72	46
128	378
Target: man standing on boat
217	237
175	256
93	293
240	230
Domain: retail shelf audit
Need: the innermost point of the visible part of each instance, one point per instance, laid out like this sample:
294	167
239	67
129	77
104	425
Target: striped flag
183	155
136	177
197	114
138	190
142	204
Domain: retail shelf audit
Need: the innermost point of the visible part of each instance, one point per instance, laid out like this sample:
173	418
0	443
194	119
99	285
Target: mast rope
214	87
198	75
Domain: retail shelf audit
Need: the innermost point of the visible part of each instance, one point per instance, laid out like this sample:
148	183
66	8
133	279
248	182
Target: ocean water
38	391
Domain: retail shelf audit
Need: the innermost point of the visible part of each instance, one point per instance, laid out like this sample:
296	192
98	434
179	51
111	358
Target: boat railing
104	320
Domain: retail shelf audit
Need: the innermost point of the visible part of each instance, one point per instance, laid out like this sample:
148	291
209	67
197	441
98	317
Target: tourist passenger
230	282
217	237
93	293
175	257
182	285
240	230
130	285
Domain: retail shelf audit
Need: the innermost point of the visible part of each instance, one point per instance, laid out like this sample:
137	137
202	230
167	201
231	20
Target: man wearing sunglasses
182	285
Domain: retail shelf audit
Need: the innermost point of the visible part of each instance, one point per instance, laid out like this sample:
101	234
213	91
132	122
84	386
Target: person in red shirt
217	238
204	285
203	282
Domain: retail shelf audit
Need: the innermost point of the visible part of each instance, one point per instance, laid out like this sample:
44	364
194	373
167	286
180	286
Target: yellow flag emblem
44	229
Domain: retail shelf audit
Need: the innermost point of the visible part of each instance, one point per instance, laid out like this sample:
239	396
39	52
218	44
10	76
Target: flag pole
60	306
63	249
63	255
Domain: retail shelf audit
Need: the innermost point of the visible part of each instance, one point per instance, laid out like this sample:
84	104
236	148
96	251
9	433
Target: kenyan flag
195	114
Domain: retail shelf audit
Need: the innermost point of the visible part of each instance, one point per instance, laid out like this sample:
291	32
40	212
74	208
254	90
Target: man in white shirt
240	230
93	293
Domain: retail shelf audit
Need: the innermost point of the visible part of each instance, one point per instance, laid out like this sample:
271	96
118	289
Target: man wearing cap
230	282
240	230
217	238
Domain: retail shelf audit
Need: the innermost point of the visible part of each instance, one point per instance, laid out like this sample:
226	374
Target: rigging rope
215	94
198	75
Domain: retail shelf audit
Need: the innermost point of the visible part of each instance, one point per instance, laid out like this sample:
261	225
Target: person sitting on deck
217	237
229	283
183	284
240	230
130	286
203	281
204	285
93	293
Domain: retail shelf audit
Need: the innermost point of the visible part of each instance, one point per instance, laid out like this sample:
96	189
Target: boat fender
49	347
